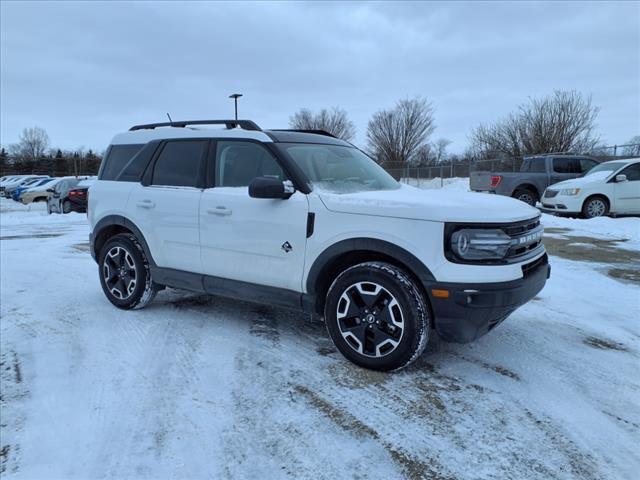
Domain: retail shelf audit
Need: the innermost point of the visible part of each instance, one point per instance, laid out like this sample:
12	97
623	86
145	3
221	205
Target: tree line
397	137
32	154
401	136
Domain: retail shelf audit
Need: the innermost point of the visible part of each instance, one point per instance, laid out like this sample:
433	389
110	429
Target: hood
434	205
594	178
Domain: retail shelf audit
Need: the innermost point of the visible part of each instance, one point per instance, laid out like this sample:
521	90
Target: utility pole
235	97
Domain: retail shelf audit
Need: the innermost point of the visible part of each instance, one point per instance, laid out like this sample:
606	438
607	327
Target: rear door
260	241
165	206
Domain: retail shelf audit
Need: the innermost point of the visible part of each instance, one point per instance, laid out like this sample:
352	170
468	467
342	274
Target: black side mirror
50	190
270	187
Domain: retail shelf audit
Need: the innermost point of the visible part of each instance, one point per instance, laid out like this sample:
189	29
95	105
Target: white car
307	221
40	192
610	188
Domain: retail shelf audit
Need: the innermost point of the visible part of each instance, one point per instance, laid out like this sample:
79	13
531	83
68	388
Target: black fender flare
121	221
322	263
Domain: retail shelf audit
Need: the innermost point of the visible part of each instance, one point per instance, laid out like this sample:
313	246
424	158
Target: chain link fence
424	176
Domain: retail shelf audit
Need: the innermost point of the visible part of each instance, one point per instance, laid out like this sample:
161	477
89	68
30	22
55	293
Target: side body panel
168	219
254	240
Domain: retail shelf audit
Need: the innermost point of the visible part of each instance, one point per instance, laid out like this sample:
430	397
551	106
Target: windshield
46	180
338	169
607	167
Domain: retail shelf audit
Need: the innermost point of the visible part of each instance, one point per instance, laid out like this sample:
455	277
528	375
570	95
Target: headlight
479	244
569	191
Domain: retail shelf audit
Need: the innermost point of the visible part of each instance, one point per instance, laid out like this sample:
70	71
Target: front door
166	210
254	240
627	193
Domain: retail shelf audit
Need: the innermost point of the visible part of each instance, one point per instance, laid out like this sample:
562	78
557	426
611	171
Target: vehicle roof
623	160
557	155
267	136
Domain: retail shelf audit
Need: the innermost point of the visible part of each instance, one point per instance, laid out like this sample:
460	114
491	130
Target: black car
69	195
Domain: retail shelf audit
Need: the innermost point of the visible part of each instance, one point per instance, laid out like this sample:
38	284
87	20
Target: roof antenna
170	121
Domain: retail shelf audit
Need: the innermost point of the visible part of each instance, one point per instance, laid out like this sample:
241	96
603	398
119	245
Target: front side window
338	169
566	165
238	163
632	172
178	164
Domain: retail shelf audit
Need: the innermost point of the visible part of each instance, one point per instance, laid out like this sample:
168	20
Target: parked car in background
17	193
76	200
536	174
59	201
610	188
40	192
8	188
11	179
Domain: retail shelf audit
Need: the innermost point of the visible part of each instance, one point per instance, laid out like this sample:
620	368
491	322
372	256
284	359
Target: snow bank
455	183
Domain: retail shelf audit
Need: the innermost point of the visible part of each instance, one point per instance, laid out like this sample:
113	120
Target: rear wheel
526	195
124	273
595	207
66	206
377	317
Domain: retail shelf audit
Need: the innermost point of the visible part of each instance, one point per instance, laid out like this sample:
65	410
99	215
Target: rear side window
587	164
179	163
566	165
117	157
535	165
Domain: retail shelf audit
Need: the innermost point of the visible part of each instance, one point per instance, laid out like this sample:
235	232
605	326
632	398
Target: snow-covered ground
203	387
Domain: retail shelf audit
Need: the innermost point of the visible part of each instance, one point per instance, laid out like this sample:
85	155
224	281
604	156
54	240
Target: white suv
304	220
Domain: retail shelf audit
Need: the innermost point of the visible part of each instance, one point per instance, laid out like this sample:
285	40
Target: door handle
146	204
220	211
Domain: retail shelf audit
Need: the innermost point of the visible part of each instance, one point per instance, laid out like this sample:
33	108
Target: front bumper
472	310
561	204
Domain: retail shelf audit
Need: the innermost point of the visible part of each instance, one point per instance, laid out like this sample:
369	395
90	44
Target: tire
124	253
377	317
596	206
526	195
66	206
49	211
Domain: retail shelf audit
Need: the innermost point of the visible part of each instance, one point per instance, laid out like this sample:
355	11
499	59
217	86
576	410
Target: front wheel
595	207
124	272
377	317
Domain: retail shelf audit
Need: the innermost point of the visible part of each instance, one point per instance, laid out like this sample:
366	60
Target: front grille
525	237
550	193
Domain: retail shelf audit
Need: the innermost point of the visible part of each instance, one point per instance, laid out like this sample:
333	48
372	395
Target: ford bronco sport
302	219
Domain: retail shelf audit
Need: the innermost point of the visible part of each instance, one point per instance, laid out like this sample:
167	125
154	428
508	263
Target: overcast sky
85	71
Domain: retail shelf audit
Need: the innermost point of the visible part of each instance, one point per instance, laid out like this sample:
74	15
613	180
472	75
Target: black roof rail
316	132
244	124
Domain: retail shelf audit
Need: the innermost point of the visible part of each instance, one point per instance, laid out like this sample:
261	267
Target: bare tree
334	121
32	145
632	149
399	134
561	122
441	149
